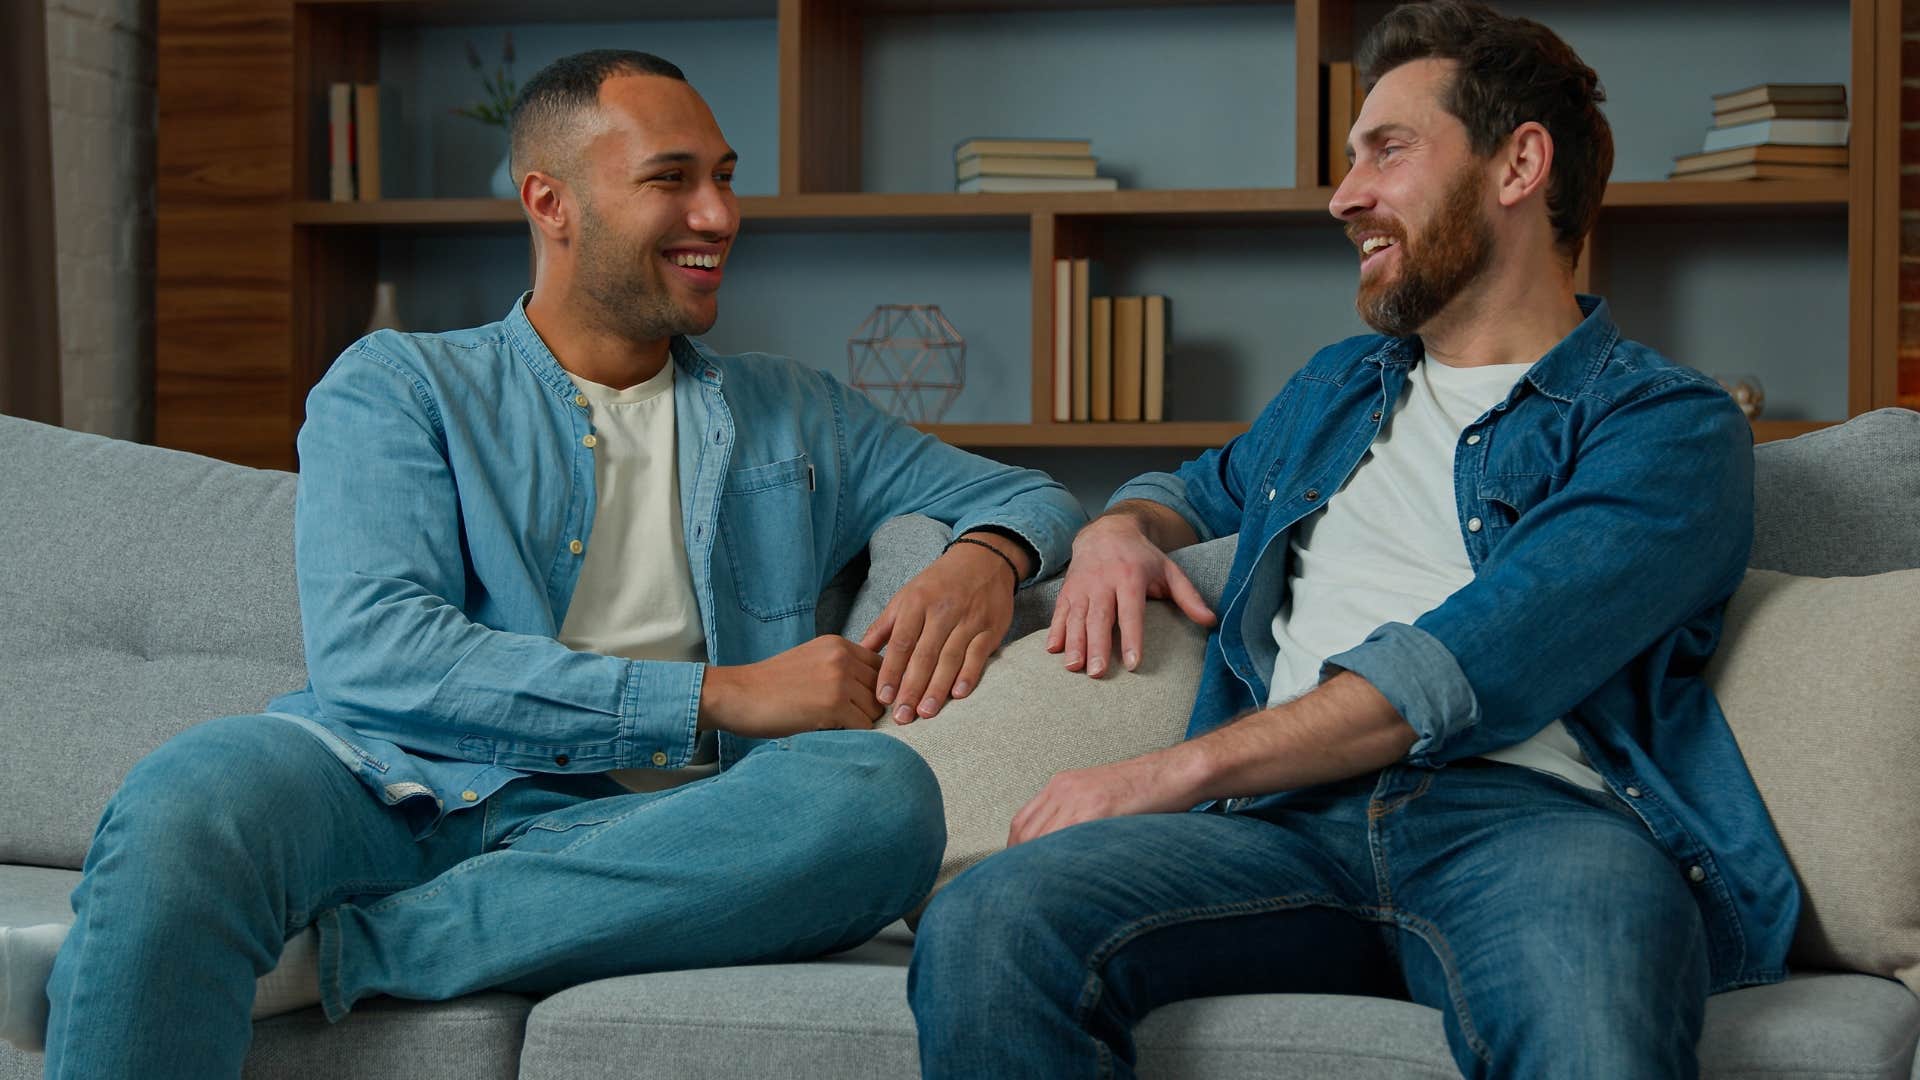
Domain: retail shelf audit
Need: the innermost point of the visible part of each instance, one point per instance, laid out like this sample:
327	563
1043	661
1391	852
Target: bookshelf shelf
239	142
1758	199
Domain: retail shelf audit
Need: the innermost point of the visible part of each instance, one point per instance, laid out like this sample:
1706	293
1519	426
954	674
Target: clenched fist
826	683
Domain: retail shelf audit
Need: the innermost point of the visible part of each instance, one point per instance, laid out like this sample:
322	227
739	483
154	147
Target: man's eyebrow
1376	135
683	157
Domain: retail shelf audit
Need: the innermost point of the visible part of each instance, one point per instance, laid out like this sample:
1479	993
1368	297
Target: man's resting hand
826	683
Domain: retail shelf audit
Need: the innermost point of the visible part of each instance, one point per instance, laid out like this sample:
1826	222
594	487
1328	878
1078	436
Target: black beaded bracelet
982	543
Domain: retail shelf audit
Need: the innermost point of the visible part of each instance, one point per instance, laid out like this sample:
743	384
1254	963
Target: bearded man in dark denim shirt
1452	742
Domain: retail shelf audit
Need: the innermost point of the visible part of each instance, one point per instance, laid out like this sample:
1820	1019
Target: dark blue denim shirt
1607	509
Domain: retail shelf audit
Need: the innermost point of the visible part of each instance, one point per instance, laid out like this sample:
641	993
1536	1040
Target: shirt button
1473	440
1473	524
576	546
580	400
1312	494
1376	416
1633	793
659	757
1696	875
1271	492
561	760
589	441
469	795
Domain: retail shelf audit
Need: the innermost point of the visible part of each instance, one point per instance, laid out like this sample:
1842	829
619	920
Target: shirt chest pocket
766	525
1509	496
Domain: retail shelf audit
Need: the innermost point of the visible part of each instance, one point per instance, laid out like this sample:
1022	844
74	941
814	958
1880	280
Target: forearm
1342	729
1158	523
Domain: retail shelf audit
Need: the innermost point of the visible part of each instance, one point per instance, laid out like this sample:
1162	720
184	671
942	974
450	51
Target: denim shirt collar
1562	374
532	351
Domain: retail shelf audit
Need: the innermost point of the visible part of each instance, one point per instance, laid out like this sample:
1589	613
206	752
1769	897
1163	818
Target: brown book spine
1100	358
1154	368
366	139
1129	325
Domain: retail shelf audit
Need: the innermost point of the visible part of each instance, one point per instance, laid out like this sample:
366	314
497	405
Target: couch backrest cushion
144	591
1818	681
1840	502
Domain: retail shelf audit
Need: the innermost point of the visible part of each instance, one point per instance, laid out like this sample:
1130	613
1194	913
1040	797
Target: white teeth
707	261
1375	243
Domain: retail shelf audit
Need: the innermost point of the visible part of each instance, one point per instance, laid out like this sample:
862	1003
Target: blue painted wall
1199	97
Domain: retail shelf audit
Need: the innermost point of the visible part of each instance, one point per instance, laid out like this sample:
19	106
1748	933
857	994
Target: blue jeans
1540	918
241	832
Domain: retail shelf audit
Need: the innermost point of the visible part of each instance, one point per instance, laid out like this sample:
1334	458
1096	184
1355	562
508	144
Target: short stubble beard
633	299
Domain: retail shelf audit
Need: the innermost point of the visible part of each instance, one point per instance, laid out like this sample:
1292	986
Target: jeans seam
466	866
1090	990
1456	994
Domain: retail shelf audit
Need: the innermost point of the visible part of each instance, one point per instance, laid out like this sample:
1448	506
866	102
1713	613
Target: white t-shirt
635	596
1387	548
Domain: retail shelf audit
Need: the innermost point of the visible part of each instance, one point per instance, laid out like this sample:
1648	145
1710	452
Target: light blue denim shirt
1607	509
446	499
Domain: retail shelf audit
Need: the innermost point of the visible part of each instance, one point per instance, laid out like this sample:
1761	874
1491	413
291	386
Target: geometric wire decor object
910	360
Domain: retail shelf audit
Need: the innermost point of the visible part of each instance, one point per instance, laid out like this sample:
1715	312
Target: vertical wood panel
1860	211
224	169
1884	288
819	96
1323	33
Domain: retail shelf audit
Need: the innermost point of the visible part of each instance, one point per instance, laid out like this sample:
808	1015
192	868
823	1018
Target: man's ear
1526	163
545	199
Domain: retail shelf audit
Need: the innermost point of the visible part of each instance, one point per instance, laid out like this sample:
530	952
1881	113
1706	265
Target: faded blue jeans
239	833
1541	919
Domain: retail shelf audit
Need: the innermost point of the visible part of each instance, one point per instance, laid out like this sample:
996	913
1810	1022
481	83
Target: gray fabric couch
143	591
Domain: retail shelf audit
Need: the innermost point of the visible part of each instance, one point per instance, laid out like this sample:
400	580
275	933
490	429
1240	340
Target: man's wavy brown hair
1510	71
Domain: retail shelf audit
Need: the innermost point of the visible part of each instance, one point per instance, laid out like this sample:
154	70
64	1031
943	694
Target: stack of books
1774	131
1028	165
1109	352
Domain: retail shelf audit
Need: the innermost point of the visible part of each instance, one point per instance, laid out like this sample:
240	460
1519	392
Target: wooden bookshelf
259	285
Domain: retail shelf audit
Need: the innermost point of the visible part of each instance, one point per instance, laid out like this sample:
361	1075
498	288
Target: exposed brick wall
100	75
1910	204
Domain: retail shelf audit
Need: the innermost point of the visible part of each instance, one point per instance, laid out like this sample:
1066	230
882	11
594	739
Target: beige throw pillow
1031	718
1820	681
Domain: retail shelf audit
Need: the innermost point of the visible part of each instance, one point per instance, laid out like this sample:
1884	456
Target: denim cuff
1050	549
1169	491
1420	678
660	714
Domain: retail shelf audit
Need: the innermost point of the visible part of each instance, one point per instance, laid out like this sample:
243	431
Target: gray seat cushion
146	591
846	1018
470	1038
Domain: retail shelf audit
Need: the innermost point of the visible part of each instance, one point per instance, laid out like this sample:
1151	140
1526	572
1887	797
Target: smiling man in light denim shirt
565	719
1452	741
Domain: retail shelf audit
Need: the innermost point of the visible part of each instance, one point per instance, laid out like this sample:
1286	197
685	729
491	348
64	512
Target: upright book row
1109	352
353	142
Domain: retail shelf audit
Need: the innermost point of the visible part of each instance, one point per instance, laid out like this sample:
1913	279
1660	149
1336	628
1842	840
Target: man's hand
1115	569
825	683
941	627
1144	785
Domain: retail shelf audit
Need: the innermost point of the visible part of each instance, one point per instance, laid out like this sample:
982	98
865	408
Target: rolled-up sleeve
1651	530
